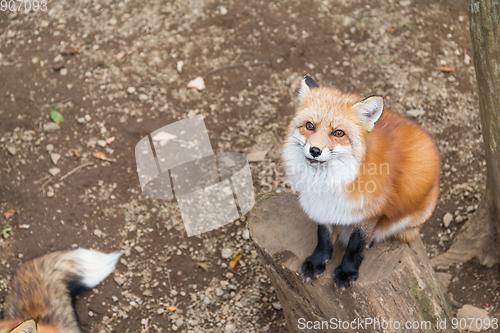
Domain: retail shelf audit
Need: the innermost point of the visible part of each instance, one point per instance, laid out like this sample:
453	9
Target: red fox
42	290
363	174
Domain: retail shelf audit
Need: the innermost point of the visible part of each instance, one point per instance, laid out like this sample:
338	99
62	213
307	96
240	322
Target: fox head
326	139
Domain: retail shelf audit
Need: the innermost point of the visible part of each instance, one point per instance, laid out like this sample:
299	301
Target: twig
48	181
38	181
75	170
238	64
236	59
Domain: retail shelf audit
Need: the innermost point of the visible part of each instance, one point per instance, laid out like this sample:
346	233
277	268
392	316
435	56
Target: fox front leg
348	270
315	264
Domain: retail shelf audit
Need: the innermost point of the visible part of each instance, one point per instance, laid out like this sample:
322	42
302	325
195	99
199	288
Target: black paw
315	265
344	279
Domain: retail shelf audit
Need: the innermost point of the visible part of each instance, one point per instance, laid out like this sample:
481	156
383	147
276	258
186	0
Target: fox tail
44	288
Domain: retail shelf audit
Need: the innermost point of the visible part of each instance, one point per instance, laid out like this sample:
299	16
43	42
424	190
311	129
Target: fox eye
338	133
310	126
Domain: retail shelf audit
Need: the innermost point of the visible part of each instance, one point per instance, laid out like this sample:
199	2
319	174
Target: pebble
44	23
180	64
35	60
245	234
131	90
415	113
230	327
63	71
12	150
50	127
119	280
277	305
226	253
55	158
459	219
50	192
54	171
49	148
198	84
448	217
223	10
143	97
101	143
219	292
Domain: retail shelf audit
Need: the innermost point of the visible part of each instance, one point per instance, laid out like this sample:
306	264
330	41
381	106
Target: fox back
43	289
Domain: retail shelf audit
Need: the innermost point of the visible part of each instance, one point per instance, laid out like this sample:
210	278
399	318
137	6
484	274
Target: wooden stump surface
396	281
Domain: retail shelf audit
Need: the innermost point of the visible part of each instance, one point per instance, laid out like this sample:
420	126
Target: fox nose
315	151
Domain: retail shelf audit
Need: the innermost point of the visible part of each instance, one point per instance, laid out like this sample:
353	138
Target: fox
364	174
42	290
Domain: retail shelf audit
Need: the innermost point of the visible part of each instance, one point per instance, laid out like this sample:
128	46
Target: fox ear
369	110
27	326
306	85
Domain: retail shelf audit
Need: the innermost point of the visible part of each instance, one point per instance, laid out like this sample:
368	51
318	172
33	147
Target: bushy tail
43	288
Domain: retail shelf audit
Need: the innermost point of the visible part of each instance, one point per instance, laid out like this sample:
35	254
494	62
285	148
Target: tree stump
396	284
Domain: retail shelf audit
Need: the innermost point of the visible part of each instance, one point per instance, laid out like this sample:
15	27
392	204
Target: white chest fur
331	208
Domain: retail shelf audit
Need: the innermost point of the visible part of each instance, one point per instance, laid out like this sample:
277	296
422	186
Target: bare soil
390	48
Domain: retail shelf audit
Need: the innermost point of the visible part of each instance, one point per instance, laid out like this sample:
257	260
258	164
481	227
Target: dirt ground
122	79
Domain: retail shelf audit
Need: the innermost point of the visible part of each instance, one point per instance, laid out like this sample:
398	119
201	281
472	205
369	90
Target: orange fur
399	164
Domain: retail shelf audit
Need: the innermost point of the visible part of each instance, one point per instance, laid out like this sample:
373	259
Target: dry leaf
233	262
445	69
202	265
76	154
171	308
102	156
198	84
8	214
24	226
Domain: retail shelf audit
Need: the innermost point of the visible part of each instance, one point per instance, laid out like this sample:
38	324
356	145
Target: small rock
50	192
54	171
63	71
81	120
180	64
226	253
12	150
405	3
49	148
143	97
55	158
415	113
131	90
245	234
198	84
222	10
459	219
219	292
448	217
257	156
470	311
230	327
50	127
119	280
35	60
101	143
44	23
139	249
277	305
